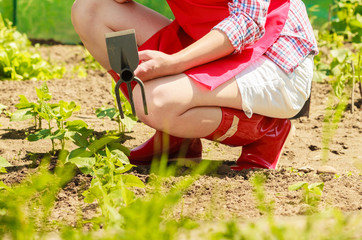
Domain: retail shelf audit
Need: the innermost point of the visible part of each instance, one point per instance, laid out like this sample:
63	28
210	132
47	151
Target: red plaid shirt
245	25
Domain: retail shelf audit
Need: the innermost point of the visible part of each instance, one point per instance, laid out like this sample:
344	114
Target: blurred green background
50	19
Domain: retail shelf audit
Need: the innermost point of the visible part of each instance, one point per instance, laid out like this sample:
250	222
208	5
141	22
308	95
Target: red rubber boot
162	143
262	138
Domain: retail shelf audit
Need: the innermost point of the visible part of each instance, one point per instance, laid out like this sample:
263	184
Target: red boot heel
266	152
161	143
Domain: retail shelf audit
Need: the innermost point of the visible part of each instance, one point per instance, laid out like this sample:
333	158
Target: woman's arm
244	26
212	46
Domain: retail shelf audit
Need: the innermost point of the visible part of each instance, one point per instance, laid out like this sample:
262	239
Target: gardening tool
123	58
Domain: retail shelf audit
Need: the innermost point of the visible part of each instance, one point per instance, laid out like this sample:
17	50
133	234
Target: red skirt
181	33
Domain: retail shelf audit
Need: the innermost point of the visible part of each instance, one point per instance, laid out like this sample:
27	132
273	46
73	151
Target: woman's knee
84	13
160	106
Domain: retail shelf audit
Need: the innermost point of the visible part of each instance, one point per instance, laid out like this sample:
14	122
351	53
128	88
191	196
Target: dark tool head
123	58
122	52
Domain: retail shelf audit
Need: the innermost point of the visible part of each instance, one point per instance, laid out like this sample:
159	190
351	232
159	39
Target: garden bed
223	194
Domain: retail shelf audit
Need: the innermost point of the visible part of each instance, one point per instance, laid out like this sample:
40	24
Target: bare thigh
93	18
174	97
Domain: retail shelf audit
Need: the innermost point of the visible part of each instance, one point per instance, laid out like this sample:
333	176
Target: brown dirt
222	195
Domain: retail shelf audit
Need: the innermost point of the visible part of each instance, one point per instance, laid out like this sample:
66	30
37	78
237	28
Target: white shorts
267	90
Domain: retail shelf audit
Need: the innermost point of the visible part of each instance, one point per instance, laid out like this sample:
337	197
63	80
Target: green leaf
118	146
120	156
94	192
127	195
2	107
124	169
42	134
3	186
75	125
129	122
58	134
297	186
80	152
100	143
24	103
45	111
340	54
43	92
3	164
132	181
106	112
78	139
84	164
22	115
318	185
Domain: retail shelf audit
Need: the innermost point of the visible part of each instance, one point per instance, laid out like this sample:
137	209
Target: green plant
3	165
312	192
2	109
258	181
347	19
340	66
113	114
26	110
110	187
25	208
88	63
17	62
57	113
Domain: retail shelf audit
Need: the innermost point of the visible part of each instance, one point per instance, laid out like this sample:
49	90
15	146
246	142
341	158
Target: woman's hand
155	64
123	1
212	46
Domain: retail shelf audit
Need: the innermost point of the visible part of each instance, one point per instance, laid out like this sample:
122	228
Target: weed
311	195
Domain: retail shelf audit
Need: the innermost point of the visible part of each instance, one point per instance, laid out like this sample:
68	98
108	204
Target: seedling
57	113
4	164
2	109
109	186
312	192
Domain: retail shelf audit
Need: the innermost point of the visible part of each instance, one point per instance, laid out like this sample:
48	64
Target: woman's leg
183	108
93	18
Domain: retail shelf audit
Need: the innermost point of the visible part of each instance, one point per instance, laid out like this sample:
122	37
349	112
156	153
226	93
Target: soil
224	194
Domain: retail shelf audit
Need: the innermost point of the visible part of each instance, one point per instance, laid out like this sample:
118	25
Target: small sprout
312	192
336	176
3	165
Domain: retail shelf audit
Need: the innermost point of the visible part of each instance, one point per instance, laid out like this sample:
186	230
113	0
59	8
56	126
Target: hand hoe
123	58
